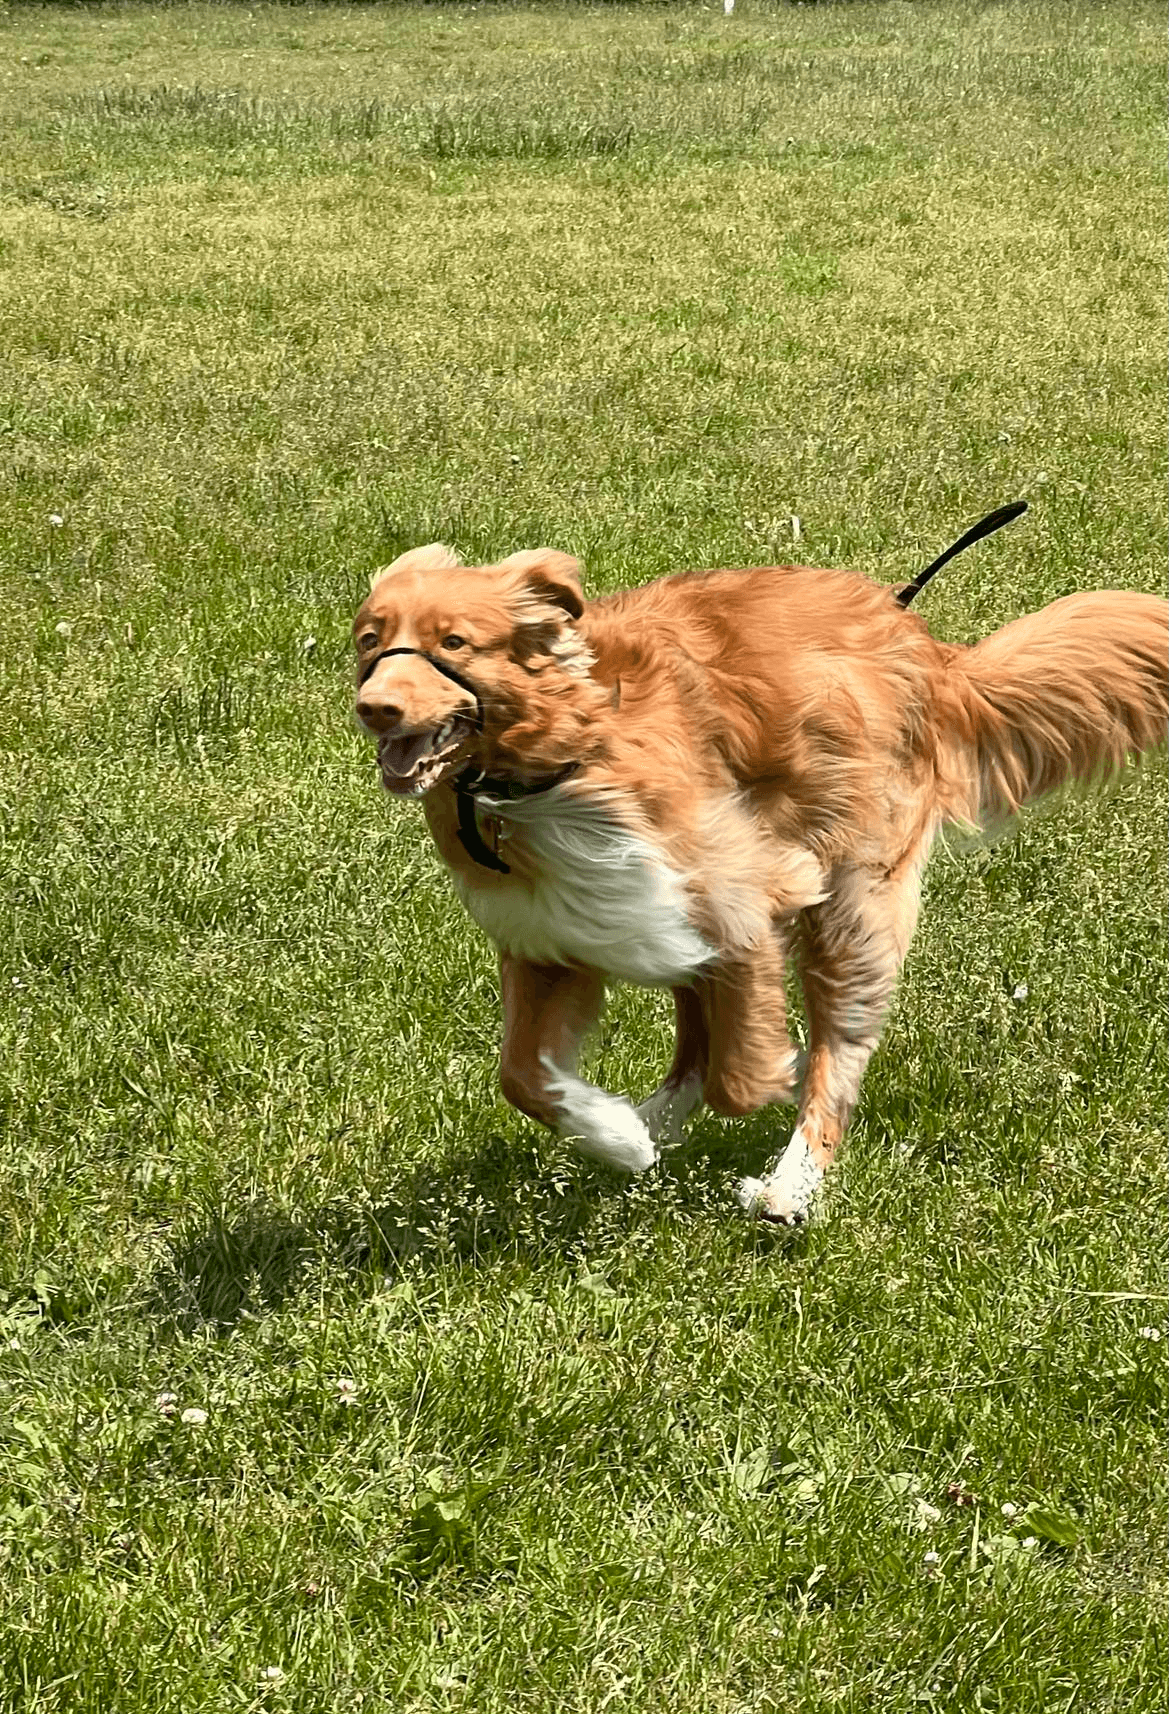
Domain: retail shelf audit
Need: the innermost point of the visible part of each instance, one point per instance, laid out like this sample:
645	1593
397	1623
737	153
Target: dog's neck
472	785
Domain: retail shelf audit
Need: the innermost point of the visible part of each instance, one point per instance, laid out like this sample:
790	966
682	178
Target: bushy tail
1067	694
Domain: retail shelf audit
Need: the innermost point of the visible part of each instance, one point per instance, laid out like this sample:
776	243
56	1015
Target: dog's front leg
547	1008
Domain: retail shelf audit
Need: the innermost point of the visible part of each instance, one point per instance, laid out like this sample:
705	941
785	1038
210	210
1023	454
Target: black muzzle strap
986	527
439	667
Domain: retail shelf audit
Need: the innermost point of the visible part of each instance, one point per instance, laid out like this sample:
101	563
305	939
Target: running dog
673	785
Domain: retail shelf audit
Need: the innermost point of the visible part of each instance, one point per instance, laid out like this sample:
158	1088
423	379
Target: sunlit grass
282	292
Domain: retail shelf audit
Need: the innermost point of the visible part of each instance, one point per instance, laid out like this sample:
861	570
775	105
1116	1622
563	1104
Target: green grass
282	292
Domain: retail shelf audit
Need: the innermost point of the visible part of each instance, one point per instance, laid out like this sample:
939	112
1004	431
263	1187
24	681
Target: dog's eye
368	641
454	642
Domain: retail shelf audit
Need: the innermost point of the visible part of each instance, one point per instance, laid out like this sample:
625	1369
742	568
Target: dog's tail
1067	694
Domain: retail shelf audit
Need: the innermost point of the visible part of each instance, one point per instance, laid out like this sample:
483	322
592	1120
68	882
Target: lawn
327	1382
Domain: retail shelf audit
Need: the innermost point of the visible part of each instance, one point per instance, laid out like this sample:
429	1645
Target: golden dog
671	785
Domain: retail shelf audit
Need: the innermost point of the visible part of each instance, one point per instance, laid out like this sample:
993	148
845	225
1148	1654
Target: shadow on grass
237	1263
493	1202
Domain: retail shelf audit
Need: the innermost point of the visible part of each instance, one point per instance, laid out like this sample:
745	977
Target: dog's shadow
491	1203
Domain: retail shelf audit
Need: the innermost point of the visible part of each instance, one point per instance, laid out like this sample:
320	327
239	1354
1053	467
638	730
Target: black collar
472	783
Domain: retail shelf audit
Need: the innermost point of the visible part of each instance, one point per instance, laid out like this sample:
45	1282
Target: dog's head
472	664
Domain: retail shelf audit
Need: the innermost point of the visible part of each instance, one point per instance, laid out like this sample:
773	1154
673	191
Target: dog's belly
597	895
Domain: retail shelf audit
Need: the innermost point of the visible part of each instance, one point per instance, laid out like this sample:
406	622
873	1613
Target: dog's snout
377	713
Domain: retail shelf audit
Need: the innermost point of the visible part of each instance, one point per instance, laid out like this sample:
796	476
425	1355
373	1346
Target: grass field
478	1426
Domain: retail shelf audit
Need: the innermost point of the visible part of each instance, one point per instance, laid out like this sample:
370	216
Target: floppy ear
550	575
436	556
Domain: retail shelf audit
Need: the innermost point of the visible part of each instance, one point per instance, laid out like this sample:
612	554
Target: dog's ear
550	575
435	556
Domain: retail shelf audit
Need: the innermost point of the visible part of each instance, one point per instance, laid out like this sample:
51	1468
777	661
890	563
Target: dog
676	784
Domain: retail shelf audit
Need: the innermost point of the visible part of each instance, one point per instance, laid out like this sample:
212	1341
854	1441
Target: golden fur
763	758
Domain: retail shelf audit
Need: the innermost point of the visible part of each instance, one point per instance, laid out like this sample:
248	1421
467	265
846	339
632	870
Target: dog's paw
665	1111
757	1196
603	1126
617	1137
784	1197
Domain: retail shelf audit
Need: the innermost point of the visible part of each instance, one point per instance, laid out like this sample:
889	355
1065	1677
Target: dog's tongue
402	755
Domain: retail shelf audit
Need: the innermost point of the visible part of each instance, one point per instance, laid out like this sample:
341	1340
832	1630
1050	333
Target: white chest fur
601	896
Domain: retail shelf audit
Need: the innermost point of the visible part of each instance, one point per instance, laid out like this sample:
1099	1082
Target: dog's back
822	684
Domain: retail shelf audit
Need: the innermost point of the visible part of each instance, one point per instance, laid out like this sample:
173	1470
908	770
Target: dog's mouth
413	764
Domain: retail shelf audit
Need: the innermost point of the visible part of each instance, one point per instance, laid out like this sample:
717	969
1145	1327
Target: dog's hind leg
853	950
752	1059
547	1009
671	1104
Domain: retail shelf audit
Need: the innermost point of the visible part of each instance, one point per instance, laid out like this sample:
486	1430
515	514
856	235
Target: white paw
602	1126
621	1141
784	1197
667	1109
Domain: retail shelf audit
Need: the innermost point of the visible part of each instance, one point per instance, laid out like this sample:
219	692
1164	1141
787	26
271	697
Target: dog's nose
377	715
